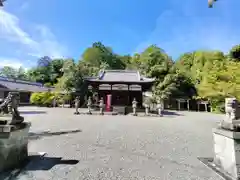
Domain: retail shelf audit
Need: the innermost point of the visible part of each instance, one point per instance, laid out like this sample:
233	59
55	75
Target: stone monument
147	107
134	106
160	107
101	106
227	140
77	104
89	105
13	134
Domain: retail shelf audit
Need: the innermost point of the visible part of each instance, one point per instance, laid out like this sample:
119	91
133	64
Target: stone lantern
89	105
77	104
101	105
134	106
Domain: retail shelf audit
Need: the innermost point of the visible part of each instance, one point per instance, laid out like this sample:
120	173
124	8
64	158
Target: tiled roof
19	85
120	76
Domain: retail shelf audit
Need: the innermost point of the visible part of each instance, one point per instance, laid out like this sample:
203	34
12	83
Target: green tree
72	76
155	63
47	72
235	53
215	75
14	73
100	55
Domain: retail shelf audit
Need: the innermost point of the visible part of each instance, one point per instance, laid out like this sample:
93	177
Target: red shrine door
109	102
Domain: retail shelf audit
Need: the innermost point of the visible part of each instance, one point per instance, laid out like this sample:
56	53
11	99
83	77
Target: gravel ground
119	147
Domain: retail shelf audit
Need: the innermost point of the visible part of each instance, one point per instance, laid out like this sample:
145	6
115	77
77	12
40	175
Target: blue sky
30	29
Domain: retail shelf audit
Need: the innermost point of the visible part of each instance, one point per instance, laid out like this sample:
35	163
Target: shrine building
25	88
120	87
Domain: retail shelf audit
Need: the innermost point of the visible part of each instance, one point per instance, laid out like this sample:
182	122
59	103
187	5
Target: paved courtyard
83	147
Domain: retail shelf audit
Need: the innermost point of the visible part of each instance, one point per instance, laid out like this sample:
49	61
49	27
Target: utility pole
211	2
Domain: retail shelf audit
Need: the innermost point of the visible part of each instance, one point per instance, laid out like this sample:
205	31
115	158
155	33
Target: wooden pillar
112	95
128	96
205	107
179	105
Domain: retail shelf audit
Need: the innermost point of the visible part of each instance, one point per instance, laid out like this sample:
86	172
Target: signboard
135	88
120	87
182	100
105	87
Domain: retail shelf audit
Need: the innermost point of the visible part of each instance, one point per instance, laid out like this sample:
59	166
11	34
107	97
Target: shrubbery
46	98
42	98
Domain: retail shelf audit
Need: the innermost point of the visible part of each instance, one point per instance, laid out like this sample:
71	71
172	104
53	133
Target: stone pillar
146	109
227	141
160	107
188	106
101	106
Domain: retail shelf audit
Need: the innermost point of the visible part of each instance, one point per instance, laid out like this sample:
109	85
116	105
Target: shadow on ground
209	162
36	136
32	112
171	113
37	162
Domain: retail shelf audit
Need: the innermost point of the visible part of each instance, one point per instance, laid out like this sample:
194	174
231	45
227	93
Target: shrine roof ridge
119	76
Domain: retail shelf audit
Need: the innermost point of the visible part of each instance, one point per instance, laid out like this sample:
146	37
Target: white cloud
15	63
44	43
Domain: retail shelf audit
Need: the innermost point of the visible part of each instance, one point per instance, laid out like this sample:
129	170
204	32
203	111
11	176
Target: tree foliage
214	74
210	75
235	53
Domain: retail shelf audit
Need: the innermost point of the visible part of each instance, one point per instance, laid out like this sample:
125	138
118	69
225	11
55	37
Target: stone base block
233	126
227	151
120	109
13	145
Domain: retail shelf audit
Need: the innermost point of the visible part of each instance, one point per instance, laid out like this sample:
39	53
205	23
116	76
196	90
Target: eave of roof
25	86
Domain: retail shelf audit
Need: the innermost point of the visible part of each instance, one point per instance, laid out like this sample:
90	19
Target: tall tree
16	73
72	76
8	71
100	55
234	53
154	62
44	61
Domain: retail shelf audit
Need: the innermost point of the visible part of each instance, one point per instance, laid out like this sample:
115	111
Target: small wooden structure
203	102
122	85
181	101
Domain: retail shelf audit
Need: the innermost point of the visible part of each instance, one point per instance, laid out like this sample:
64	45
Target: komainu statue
232	116
9	108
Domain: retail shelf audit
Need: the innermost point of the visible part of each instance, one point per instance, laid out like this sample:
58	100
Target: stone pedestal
227	151
13	145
